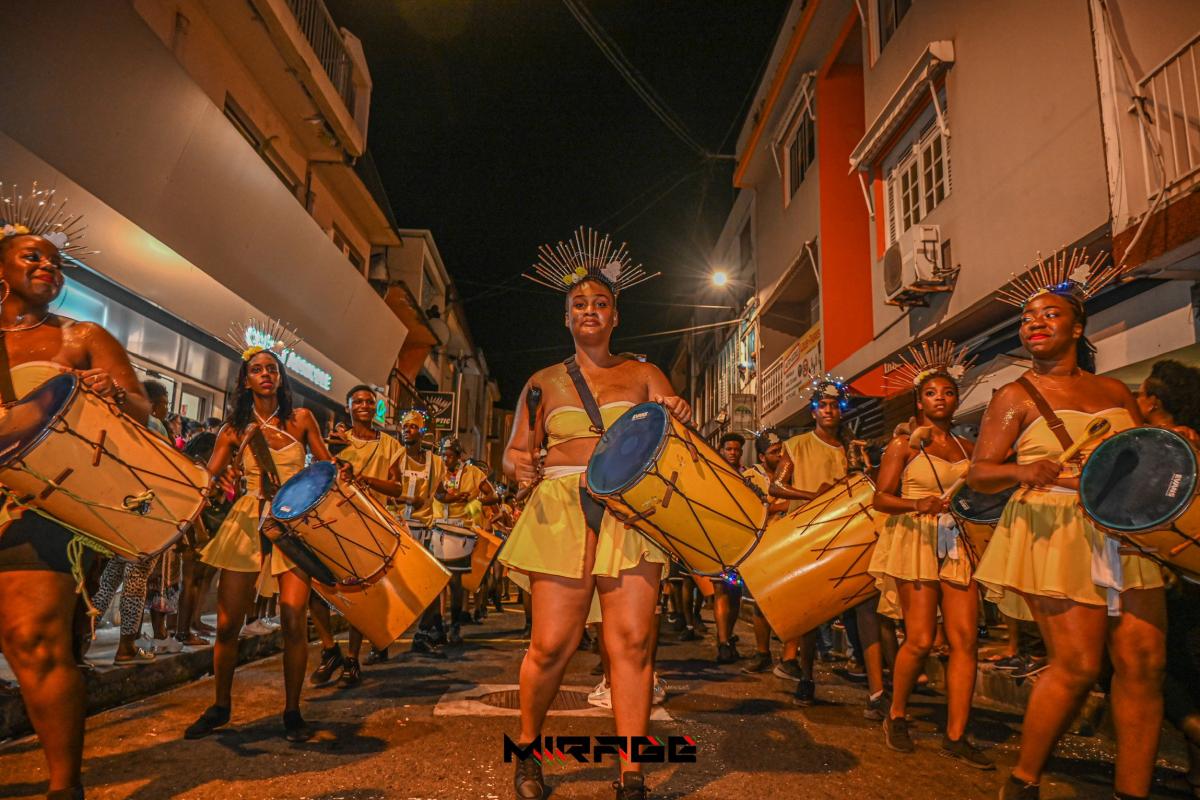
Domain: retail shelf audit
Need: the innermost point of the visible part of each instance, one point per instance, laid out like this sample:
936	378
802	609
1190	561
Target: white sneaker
601	695
168	646
272	622
660	691
145	643
257	628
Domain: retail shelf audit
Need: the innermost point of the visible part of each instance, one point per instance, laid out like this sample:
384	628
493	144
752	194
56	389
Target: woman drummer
920	551
564	541
1082	591
37	590
263	407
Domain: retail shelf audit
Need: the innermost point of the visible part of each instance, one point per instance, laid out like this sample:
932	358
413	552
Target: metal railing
326	41
1170	94
771	387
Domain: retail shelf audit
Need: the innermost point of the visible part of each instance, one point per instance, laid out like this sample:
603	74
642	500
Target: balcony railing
326	41
1171	94
771	394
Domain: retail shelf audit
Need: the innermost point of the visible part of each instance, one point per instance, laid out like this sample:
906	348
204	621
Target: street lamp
720	278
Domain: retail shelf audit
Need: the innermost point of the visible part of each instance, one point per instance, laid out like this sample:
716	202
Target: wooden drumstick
1095	429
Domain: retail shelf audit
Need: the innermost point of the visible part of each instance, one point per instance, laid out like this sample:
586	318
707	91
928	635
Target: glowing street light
720	278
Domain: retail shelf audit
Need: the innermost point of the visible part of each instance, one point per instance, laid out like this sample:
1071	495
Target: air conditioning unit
912	265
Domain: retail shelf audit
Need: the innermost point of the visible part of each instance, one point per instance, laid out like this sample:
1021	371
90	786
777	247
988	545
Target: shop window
889	14
800	150
262	145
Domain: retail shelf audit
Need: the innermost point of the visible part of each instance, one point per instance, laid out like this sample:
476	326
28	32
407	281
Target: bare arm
311	434
518	460
1005	418
781	486
109	368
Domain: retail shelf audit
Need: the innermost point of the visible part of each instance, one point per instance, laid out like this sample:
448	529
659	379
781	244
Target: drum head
303	491
976	506
23	424
628	449
1138	480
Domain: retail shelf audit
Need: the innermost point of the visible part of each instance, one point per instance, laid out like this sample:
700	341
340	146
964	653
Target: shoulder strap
266	463
7	393
585	394
1057	426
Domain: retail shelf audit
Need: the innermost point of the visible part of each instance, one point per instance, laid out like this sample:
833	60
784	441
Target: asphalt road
418	728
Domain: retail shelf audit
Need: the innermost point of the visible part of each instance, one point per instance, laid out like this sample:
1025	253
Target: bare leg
35	635
887	640
322	619
355	644
1075	634
762	633
868	635
293	613
791	649
960	614
1138	648
722	612
807	652
235	595
919	601
627	602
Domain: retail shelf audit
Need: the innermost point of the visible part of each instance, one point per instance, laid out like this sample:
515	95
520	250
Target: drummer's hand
338	434
345	470
523	468
98	381
930	505
1192	437
228	481
1043	472
678	407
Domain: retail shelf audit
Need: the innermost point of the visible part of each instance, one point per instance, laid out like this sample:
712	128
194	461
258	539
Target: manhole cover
511	698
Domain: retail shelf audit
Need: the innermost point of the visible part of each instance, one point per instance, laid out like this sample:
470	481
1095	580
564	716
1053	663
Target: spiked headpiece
1073	276
253	336
588	254
927	360
40	214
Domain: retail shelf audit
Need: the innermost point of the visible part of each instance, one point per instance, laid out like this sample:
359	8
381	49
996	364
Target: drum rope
134	469
675	488
347	567
720	467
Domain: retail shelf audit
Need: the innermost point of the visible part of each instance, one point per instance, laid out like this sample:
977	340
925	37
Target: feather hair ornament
40	213
588	254
1070	275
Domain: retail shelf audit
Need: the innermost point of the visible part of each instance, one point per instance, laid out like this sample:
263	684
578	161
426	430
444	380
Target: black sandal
212	718
632	786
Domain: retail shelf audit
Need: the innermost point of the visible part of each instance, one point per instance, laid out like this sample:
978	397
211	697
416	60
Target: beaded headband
829	386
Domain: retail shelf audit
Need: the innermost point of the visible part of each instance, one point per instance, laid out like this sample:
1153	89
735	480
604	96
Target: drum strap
1057	426
8	394
266	464
585	395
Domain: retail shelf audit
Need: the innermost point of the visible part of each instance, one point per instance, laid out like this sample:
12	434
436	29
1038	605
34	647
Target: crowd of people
580	561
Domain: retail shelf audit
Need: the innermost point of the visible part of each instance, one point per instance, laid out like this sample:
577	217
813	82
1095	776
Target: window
918	183
348	249
799	152
890	12
262	145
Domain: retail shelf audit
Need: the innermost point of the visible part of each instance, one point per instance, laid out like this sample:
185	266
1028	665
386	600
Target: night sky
500	125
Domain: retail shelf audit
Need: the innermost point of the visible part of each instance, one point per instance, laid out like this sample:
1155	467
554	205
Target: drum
1139	485
811	565
658	476
487	546
73	455
361	560
452	544
977	515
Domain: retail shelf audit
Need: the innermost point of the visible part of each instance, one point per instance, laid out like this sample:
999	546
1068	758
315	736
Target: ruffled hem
1043	546
551	536
236	545
907	551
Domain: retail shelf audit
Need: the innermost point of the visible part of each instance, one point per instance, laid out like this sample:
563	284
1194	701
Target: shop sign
801	362
440	406
293	361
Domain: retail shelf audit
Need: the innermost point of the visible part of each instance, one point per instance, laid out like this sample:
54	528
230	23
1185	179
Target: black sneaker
295	729
1031	667
528	783
376	656
689	635
438	637
877	707
422	645
806	694
1008	663
331	660
351	674
455	635
1016	789
895	735
761	663
789	670
632	786
726	654
962	750
212	718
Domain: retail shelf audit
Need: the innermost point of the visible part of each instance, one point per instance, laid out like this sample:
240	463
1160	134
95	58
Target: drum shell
486	547
396	589
454	548
702	478
811	565
126	533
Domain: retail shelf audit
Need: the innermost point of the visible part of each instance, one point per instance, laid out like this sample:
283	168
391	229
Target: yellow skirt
236	545
1043	546
551	536
907	551
889	595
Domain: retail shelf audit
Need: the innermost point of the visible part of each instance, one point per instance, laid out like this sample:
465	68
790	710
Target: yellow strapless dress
1045	545
236	546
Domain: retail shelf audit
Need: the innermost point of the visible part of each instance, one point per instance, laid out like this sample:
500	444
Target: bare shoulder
545	374
303	417
86	334
898	447
1008	395
1112	389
